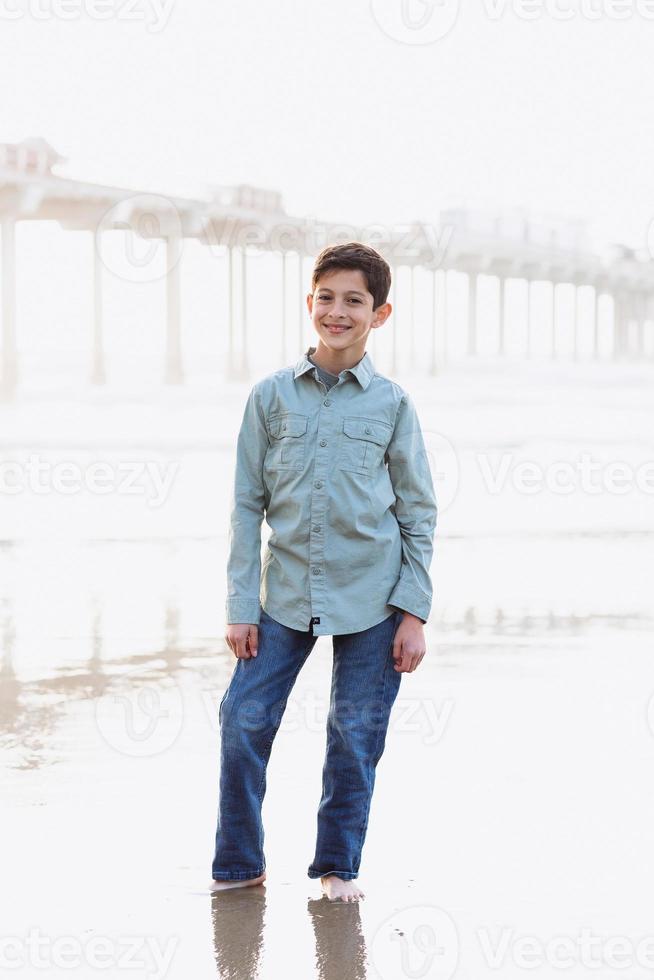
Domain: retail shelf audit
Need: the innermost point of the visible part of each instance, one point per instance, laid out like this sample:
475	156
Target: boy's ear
382	313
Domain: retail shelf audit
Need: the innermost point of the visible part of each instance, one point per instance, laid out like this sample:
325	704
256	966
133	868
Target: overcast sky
352	112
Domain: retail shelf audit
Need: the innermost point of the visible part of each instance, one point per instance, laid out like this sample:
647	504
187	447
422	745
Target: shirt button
318	484
284	426
323	442
367	429
327	401
316	527
315	571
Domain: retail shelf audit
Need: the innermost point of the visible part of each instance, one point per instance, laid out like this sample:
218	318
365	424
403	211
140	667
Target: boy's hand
409	644
243	640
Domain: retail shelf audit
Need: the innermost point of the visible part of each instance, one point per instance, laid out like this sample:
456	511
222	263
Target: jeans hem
345	875
237	875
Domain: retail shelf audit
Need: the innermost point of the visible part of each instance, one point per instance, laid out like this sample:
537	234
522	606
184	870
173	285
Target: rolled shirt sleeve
415	509
247	510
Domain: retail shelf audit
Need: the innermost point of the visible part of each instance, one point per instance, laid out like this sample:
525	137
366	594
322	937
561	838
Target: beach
512	817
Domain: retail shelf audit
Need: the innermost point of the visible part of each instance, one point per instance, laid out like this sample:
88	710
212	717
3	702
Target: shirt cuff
242	611
411	600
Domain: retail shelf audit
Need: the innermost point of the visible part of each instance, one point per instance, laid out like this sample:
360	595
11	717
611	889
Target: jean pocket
220	706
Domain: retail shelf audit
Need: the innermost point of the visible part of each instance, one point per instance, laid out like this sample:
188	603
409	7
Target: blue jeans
363	688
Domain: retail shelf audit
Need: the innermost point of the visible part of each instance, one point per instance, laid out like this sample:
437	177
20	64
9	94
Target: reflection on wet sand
26	718
340	943
239	916
549	621
31	709
496	667
238	931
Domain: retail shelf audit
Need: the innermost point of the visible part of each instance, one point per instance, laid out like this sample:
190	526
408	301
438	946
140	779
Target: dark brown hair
354	255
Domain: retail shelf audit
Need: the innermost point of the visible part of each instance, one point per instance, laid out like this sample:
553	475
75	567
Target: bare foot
219	886
337	889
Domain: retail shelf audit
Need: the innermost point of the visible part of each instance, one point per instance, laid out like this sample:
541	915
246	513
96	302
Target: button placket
318	513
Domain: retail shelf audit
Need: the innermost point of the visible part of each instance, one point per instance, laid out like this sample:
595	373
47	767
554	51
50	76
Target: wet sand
515	792
524	797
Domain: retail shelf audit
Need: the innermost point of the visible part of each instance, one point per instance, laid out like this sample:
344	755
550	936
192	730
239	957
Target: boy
332	454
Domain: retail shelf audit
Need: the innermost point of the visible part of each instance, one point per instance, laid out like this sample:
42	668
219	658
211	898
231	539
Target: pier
468	253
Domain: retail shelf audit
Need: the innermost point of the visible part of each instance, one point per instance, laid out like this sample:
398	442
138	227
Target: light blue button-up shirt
343	479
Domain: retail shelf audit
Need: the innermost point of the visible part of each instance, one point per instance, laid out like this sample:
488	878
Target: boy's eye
353	299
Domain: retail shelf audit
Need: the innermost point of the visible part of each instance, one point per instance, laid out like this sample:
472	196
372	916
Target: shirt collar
363	370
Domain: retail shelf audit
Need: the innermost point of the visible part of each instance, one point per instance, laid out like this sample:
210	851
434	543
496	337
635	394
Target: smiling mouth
336	329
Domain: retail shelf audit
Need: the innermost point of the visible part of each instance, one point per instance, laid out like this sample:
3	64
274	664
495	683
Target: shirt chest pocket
363	444
288	437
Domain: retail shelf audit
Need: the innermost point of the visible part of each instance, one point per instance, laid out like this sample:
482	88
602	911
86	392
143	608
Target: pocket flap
368	429
281	426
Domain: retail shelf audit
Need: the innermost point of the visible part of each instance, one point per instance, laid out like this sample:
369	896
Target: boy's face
342	314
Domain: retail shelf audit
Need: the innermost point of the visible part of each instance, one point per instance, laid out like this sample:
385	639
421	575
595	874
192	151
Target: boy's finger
253	639
408	663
